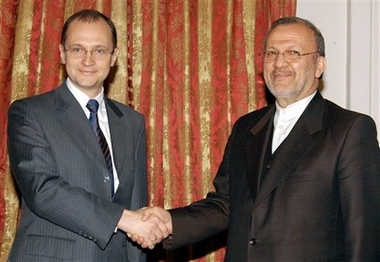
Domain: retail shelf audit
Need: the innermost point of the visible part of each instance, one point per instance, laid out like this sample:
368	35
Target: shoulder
250	119
43	102
345	125
124	110
334	113
55	97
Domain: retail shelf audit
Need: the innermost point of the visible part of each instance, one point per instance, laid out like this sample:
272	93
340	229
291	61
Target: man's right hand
153	213
145	228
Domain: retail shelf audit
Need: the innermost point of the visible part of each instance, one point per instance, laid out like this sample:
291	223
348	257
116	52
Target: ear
62	54
321	66
114	56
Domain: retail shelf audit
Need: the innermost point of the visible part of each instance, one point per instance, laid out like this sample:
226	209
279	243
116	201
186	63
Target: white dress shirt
82	99
286	118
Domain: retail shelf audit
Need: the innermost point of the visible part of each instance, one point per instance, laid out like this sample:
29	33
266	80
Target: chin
87	84
281	93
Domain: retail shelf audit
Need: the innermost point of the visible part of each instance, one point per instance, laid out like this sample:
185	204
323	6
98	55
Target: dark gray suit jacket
67	211
315	199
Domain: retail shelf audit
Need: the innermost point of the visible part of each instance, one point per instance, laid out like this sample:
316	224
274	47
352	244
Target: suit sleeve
206	217
45	192
359	183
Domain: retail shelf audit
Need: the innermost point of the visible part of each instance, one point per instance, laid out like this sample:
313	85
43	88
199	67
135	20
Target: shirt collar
292	111
82	98
298	106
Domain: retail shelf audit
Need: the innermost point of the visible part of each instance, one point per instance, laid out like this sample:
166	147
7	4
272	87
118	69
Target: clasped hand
146	226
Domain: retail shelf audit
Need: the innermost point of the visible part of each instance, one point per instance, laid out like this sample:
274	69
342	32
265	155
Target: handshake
146	226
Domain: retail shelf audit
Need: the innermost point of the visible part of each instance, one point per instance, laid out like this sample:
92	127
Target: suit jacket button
253	241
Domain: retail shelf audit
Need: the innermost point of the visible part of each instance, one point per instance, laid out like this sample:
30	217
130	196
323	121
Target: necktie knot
93	105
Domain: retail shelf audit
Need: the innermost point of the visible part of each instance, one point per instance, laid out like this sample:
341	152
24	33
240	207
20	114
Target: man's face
292	81
87	72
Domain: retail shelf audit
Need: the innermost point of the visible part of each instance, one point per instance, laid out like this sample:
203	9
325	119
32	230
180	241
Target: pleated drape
188	65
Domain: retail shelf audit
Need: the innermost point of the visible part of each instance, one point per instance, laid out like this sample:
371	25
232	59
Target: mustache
282	72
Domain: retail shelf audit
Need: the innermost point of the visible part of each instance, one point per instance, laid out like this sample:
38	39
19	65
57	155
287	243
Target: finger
148	244
161	231
156	234
153	238
151	246
164	230
138	239
145	215
144	245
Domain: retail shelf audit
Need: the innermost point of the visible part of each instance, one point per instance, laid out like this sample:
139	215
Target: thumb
145	216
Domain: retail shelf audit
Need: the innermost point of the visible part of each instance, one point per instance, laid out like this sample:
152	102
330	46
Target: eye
293	53
100	51
77	50
270	53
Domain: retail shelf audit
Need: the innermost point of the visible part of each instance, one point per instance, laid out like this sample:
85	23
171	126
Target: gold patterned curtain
187	65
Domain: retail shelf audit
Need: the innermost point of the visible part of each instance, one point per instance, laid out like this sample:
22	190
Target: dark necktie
93	106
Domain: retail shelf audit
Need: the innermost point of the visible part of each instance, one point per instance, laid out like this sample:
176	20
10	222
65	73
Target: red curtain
187	65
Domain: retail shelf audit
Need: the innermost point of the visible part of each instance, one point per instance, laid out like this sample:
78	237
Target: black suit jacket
315	199
67	211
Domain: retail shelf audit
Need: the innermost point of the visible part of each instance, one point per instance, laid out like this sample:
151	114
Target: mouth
87	72
281	74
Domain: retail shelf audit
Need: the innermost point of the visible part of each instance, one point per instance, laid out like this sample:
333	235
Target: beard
287	92
283	84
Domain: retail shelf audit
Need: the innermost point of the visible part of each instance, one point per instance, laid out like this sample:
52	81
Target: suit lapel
256	147
117	131
293	148
73	117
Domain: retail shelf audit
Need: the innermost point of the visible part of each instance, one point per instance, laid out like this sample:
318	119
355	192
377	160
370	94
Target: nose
88	59
280	60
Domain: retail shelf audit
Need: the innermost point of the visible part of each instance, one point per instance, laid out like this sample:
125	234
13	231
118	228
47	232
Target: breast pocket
300	177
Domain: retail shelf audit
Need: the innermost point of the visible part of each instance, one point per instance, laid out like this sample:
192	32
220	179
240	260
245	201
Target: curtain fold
189	66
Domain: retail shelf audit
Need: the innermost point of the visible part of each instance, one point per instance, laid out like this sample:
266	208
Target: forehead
89	33
297	35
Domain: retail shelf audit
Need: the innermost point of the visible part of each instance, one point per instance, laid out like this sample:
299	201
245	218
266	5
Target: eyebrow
95	46
290	47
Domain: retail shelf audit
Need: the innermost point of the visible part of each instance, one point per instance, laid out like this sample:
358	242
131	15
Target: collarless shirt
82	99
286	118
